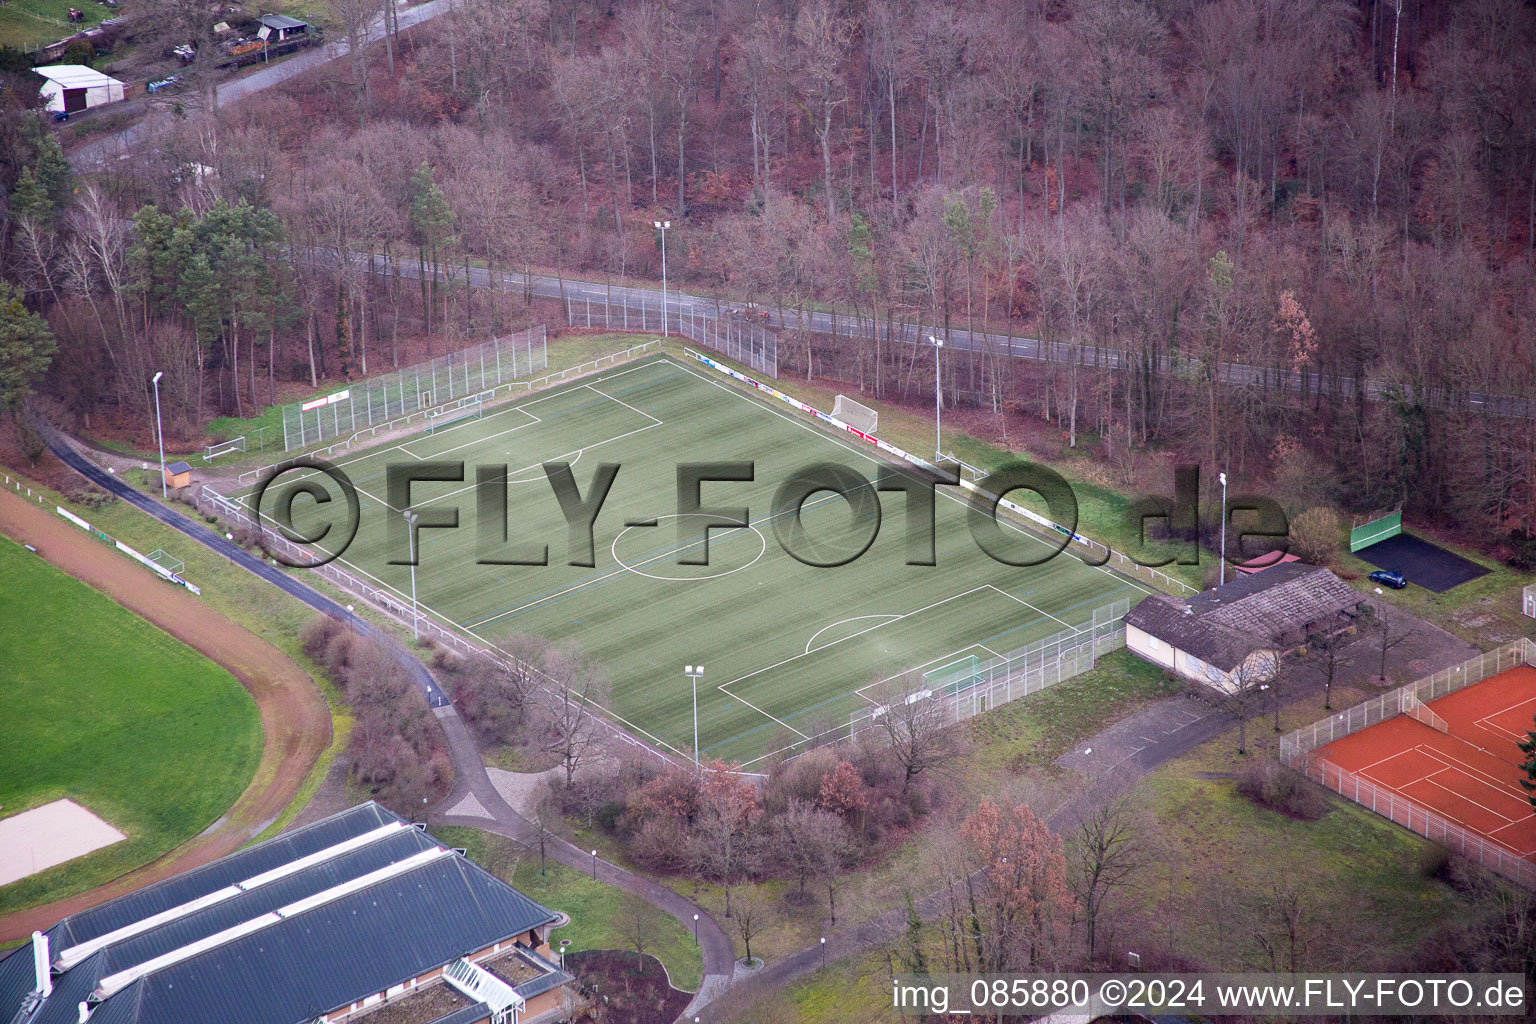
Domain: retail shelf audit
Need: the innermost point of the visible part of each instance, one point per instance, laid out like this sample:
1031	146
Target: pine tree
1528	748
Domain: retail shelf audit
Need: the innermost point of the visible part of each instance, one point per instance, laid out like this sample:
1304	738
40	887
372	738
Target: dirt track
296	725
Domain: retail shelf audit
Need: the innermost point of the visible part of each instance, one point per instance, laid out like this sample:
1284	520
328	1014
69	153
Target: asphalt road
217	542
1092	357
97	153
470	777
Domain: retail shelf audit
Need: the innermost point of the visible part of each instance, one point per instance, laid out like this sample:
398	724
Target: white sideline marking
839	622
763	404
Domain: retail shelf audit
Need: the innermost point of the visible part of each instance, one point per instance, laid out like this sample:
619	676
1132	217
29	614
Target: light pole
594	865
662	226
693	672
159	434
938	404
695	929
410	525
823	951
1221	556
564	945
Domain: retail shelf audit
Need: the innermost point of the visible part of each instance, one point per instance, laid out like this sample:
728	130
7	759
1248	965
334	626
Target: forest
1340	188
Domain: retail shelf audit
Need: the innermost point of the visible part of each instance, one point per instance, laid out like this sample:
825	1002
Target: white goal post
471	407
856	415
234	444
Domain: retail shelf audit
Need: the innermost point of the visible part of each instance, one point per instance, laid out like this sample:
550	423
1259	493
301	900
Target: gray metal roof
466	1015
282	21
310	960
179	467
1225	624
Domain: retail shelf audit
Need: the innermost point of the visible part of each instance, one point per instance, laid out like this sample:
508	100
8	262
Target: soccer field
786	646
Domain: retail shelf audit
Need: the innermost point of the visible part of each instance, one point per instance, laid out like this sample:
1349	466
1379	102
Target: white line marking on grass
947	492
754	707
1032	608
623	569
625	404
839	622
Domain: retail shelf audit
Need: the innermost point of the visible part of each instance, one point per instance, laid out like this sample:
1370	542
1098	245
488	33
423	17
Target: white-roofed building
72	87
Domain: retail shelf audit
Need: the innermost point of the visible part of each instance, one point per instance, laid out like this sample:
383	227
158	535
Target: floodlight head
656	224
1223	478
666	223
156	378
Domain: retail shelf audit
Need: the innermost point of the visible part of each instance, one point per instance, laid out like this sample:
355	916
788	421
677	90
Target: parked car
1390	577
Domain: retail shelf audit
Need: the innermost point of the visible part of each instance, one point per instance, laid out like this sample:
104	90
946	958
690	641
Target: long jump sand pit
51	834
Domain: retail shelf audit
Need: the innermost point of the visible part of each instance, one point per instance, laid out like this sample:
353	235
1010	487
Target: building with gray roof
333	921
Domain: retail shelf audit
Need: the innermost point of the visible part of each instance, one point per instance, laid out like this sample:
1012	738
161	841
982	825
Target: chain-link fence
739	335
1297	750
436	382
398	608
1102	554
997	681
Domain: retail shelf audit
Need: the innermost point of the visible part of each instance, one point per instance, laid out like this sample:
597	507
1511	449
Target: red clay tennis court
1470	773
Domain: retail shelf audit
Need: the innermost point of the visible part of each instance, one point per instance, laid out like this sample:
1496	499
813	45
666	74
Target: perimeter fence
994	682
414	389
1298	751
737	334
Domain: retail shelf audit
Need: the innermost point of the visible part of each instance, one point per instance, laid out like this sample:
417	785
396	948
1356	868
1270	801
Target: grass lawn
1101	510
237	595
35	22
264	432
103	708
832	630
1037	730
592	906
1360	876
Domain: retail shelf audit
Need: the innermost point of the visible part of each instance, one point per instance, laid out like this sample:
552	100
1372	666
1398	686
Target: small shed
72	87
277	27
178	474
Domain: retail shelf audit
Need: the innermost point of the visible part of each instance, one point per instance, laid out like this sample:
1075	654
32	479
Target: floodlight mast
1221	556
410	525
662	226
938	404
159	433
693	672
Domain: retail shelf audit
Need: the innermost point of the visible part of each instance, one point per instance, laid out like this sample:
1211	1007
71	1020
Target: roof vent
40	971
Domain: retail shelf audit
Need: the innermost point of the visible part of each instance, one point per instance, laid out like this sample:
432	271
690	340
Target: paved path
98	152
474	800
295	723
1091	357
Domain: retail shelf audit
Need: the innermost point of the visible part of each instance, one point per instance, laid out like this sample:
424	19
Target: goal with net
471	408
860	417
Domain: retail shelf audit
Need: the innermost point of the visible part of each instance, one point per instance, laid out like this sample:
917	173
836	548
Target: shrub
1272	785
1315	535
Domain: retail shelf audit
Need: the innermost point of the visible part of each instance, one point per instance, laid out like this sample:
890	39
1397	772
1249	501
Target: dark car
1391	577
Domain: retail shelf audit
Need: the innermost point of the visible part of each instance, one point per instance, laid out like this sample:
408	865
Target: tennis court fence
1297	751
396	607
999	680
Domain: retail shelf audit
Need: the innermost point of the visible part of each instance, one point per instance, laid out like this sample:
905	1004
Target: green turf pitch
786	647
102	707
